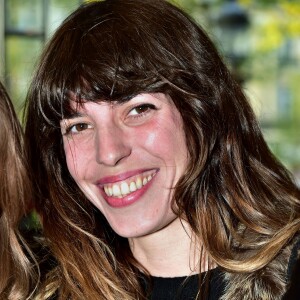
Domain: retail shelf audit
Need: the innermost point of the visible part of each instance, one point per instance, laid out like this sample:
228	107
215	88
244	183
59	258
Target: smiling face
127	159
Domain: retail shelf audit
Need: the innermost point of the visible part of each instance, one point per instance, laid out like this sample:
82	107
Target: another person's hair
16	270
233	190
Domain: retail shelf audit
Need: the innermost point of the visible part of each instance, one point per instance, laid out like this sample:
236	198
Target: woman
17	274
155	181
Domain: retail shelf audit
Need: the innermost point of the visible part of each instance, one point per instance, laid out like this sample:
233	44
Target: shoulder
293	273
294	257
269	282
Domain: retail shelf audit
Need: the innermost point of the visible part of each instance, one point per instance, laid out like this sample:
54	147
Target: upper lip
121	176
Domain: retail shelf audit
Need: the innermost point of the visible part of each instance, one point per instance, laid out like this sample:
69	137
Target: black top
293	276
186	288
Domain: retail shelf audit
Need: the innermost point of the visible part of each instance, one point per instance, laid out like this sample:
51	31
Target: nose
112	146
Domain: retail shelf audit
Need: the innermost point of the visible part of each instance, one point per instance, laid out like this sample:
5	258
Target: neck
171	252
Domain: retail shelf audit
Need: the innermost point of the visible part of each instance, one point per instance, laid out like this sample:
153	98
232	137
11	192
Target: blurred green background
259	40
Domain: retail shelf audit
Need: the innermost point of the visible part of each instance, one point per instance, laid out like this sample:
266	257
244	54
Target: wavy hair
233	189
17	274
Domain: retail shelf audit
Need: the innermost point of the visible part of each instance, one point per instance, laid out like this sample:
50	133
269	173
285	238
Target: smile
130	185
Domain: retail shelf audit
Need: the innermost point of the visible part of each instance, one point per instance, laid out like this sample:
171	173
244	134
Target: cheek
70	156
151	139
165	140
74	158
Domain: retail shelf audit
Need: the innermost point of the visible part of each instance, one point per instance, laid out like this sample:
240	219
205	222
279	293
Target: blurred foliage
20	63
24	15
280	21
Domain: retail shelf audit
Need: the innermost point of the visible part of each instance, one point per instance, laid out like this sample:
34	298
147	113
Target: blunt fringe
233	189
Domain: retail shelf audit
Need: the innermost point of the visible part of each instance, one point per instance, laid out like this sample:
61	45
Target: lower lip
129	199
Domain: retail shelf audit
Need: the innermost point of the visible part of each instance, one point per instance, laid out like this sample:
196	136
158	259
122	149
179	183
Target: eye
141	109
77	128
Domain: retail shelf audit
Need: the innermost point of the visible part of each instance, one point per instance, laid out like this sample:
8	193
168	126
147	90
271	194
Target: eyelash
71	126
148	107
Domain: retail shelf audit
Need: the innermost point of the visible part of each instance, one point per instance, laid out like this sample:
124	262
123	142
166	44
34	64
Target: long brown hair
233	189
16	272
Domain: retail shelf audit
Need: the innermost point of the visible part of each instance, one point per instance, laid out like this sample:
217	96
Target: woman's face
127	158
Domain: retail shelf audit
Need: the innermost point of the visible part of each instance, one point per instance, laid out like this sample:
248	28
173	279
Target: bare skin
170	252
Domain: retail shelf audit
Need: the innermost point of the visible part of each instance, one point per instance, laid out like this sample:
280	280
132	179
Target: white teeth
139	183
116	190
122	189
132	187
106	190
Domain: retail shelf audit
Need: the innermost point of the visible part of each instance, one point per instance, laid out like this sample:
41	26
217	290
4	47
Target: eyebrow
72	115
69	115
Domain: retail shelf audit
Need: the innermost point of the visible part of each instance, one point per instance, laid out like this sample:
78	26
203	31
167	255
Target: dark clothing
186	288
293	292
